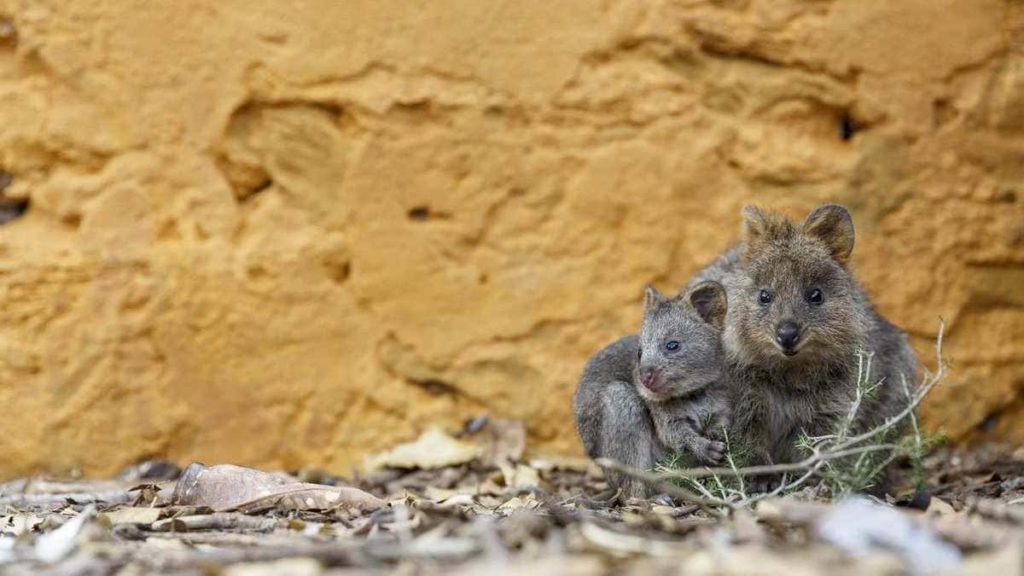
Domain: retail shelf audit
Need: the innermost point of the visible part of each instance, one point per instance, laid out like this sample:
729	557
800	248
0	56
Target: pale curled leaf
500	442
228	487
132	515
433	449
55	546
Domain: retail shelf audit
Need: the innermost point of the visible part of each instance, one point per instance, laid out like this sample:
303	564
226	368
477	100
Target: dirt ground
472	504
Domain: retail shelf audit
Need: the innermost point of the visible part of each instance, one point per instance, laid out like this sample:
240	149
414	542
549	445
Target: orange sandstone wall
286	234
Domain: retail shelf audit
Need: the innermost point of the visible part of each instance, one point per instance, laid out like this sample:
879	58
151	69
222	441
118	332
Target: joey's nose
787	334
647	377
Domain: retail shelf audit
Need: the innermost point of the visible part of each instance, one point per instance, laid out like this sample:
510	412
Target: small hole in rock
847	127
257	272
262	186
989	423
942	112
436	387
8	32
419	213
11	209
483	278
338	272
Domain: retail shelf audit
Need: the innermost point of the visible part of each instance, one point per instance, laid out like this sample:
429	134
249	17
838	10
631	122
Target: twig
732	464
767	469
216	521
659	481
29	500
912	406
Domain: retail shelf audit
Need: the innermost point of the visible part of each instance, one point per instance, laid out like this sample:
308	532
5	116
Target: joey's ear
652	297
832	225
709	300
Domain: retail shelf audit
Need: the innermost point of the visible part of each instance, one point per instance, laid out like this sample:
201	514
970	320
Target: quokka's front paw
710	451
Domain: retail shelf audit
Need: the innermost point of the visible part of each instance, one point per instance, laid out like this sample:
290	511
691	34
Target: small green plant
725	487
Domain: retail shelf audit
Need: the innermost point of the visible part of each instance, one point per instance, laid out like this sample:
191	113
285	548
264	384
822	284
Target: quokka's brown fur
796	321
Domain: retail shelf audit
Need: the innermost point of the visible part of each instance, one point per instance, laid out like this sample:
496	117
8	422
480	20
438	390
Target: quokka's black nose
787	334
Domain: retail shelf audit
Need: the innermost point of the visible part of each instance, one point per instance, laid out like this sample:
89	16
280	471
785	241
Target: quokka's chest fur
771	413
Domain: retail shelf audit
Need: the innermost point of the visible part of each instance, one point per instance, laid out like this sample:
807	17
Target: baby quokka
648	396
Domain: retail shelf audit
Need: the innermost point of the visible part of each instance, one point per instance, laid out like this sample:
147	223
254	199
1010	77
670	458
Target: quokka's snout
787	336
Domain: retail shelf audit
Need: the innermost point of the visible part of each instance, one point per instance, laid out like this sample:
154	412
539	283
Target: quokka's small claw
714	452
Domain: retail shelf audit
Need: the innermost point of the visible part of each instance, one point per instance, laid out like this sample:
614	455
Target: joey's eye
814	296
672	345
639	354
765	297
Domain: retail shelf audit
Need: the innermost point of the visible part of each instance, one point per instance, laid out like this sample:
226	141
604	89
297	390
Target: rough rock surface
281	234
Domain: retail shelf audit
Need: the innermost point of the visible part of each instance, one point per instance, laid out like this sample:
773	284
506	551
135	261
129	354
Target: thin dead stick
216	521
915	402
29	500
654	479
784	487
766	469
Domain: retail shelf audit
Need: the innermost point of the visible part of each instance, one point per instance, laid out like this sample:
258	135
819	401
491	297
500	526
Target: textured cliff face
282	234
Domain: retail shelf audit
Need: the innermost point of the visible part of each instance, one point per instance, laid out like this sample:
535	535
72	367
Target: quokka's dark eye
765	297
815	296
639	354
672	345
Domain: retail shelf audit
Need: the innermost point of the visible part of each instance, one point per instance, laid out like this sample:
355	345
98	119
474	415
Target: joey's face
679	352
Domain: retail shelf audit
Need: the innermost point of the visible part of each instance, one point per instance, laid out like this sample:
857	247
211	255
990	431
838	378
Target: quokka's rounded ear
709	301
652	297
832	225
760	227
755	224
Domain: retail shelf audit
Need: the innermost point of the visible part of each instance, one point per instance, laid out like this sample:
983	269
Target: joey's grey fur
648	396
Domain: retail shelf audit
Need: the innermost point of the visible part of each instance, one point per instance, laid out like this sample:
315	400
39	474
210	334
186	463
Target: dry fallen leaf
1006	561
520	476
938	507
54	546
570	463
228	487
132	515
285	567
500	442
433	449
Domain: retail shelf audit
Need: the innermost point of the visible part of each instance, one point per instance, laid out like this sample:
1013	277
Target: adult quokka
795	325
